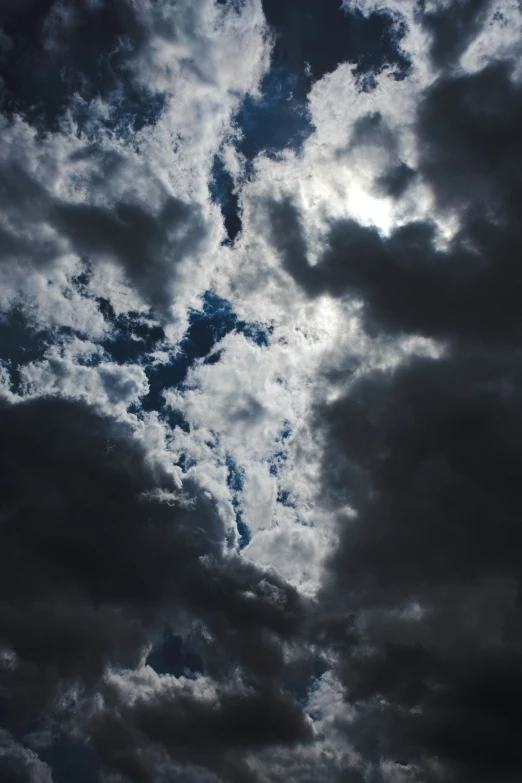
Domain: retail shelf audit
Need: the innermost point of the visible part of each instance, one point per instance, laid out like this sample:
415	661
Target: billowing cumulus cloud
101	550
260	409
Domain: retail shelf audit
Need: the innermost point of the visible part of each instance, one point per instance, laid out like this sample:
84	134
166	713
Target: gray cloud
417	621
213	732
428	455
148	247
18	764
60	56
452	27
469	130
95	562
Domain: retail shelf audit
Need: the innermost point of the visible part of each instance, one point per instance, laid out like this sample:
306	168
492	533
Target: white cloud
67	371
66	196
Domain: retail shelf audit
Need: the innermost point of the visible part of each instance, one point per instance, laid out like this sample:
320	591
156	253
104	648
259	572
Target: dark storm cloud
93	563
57	56
431	459
470	130
75	542
212	731
429	455
420	611
470	717
453	27
405	283
470	140
417	439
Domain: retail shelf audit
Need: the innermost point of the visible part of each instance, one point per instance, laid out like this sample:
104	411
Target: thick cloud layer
469	134
49	62
260	409
100	550
428	454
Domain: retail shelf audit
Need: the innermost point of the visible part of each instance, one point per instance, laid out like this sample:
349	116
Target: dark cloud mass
94	563
209	732
224	556
469	132
430	458
19	764
147	245
429	454
453	28
60	56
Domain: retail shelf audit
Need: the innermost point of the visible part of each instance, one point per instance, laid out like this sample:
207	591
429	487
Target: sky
260	391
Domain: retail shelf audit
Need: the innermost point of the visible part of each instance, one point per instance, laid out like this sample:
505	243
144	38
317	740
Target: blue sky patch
71	760
244	532
174	656
235	482
284	497
303	26
280	118
223	192
301	685
21	345
207	327
133	335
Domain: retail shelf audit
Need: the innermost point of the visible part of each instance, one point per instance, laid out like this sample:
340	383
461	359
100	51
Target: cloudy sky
260	391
